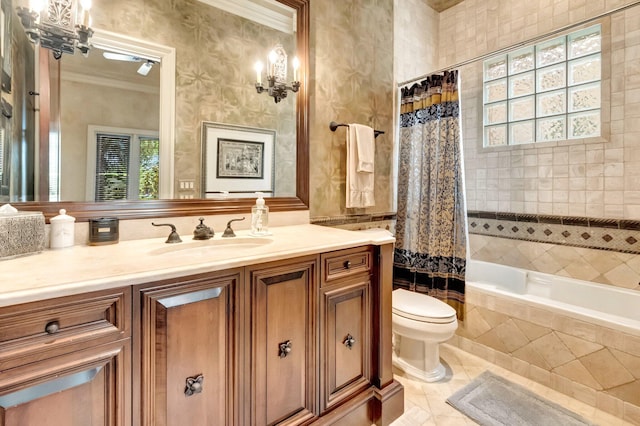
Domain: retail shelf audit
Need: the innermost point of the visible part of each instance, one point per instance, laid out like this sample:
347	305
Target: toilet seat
422	308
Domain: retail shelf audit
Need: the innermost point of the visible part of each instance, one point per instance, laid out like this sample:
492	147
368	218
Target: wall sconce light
277	75
59	25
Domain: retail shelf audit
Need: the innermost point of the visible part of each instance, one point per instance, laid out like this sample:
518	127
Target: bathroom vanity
290	329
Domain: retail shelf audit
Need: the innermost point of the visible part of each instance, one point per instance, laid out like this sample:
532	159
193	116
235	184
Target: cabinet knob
285	348
349	341
194	385
52	327
347	264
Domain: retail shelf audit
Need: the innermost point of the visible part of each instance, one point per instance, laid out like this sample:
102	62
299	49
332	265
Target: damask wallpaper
351	82
215	55
350	78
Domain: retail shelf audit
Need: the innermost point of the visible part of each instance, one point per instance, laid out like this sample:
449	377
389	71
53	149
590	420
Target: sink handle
229	232
173	236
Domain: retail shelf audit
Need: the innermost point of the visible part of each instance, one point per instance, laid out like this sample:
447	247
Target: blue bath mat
491	400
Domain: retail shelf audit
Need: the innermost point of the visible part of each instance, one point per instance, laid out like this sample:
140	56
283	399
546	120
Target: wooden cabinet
66	361
283	341
301	341
345	326
189	341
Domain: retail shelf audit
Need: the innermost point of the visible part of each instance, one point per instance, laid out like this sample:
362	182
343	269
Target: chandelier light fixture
59	25
277	75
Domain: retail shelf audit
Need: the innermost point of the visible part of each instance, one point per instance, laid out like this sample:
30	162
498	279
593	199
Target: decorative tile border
604	234
352	219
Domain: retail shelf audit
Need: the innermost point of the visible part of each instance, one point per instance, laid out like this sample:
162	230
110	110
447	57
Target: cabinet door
188	340
283	341
89	387
345	340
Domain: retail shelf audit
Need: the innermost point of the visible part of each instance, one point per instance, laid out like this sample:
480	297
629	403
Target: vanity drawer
346	263
33	331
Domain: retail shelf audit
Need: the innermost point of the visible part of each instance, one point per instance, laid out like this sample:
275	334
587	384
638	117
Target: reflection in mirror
111	150
216	86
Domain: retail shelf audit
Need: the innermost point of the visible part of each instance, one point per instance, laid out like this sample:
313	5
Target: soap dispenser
62	230
260	217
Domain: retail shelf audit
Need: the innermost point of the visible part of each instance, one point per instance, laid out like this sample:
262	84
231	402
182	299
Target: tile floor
424	403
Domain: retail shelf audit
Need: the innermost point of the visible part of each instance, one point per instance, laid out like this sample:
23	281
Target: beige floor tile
425	403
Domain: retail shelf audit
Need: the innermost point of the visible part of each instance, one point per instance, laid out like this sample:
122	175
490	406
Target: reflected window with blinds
126	165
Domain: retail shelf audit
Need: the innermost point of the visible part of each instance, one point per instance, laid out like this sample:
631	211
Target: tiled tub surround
605	234
594	178
595	360
598	250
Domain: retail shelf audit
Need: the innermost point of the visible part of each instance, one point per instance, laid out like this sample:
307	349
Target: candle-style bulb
273	57
86	7
258	67
296	65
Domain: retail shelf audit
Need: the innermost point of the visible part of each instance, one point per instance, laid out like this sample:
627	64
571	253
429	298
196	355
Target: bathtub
601	304
564	333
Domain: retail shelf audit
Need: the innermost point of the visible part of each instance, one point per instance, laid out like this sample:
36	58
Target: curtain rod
522	43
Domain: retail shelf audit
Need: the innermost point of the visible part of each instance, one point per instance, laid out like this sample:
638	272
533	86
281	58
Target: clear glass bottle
260	217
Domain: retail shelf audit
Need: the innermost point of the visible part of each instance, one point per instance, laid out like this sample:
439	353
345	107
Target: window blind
112	166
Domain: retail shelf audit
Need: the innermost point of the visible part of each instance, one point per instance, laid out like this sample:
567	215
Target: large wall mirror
199	61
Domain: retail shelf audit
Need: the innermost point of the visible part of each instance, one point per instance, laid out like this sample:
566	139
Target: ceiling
440	5
96	69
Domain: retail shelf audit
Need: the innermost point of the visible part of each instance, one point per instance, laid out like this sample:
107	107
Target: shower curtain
430	253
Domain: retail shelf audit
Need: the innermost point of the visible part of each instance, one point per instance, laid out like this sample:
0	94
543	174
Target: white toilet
420	324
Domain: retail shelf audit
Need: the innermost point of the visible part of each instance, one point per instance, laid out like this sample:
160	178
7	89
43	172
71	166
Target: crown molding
269	13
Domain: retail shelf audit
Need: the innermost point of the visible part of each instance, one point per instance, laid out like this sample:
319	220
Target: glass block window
547	92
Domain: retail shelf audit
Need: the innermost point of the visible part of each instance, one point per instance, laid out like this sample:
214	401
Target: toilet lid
420	307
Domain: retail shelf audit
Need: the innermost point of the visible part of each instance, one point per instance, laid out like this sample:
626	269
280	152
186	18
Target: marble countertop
79	269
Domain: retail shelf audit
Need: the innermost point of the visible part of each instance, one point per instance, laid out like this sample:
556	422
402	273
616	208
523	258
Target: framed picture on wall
237	159
5	44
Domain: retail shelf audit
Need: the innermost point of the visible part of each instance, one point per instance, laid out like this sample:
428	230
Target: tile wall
583	179
598	178
416	39
599	250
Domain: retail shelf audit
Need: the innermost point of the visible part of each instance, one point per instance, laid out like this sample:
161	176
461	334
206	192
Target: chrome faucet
173	236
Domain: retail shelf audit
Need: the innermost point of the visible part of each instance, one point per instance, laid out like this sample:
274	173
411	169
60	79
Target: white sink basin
213	247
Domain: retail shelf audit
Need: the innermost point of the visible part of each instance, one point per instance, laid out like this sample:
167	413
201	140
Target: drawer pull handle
349	341
347	264
194	385
285	348
52	327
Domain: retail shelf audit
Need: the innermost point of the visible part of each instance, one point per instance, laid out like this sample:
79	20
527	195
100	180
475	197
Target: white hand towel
360	184
366	147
